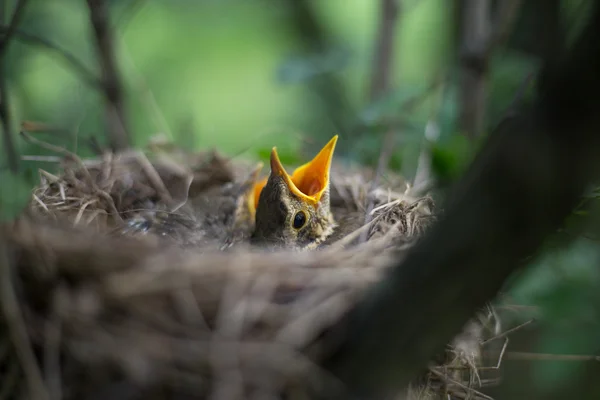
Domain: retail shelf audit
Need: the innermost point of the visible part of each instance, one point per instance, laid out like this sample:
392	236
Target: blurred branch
384	49
476	29
113	89
423	178
518	99
380	84
77	66
503	25
17	330
9	145
131	10
12	26
327	86
479	40
526	180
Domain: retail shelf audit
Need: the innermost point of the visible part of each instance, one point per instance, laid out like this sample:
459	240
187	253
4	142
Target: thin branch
12	26
384	53
113	88
423	178
9	145
69	59
474	65
380	83
17	329
327	87
505	20
387	149
480	39
516	355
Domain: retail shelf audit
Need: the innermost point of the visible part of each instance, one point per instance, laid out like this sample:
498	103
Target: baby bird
294	210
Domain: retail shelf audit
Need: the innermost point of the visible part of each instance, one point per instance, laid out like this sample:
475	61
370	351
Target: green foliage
15	192
450	158
563	284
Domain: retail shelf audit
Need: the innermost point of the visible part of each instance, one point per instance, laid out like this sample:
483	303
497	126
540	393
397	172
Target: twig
509	9
18	331
508	332
518	98
519	355
384	159
146	94
327	87
474	65
480	40
422	181
12	26
384	53
387	148
467	389
50	159
77	66
154	179
112	86
9	145
81	165
380	83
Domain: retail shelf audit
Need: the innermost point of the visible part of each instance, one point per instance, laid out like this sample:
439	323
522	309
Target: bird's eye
299	220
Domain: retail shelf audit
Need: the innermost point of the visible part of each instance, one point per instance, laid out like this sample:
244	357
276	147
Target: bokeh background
243	76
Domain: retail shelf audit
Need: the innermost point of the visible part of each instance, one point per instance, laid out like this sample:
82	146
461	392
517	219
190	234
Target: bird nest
92	314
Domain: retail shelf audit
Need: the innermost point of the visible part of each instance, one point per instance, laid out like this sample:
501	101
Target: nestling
294	210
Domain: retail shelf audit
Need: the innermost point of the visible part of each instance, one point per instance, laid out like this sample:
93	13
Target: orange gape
309	181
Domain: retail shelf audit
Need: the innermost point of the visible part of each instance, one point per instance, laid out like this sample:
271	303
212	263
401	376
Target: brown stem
473	90
113	89
479	40
380	84
384	52
77	66
9	145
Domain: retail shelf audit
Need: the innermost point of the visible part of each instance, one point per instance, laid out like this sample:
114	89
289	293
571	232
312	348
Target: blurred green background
245	75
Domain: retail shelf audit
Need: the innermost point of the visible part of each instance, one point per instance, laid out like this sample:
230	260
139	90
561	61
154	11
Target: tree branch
479	40
380	84
9	145
72	62
327	87
113	89
474	59
523	184
384	49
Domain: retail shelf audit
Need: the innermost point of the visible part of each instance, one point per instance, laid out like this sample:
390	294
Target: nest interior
99	305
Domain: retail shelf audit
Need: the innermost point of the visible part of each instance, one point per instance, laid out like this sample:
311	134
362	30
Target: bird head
293	210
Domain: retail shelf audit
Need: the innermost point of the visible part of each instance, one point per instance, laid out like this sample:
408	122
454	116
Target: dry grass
102	316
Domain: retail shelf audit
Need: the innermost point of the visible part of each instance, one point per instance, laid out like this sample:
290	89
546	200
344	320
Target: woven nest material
98	316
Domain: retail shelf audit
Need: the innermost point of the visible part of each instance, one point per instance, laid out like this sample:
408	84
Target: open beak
309	181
